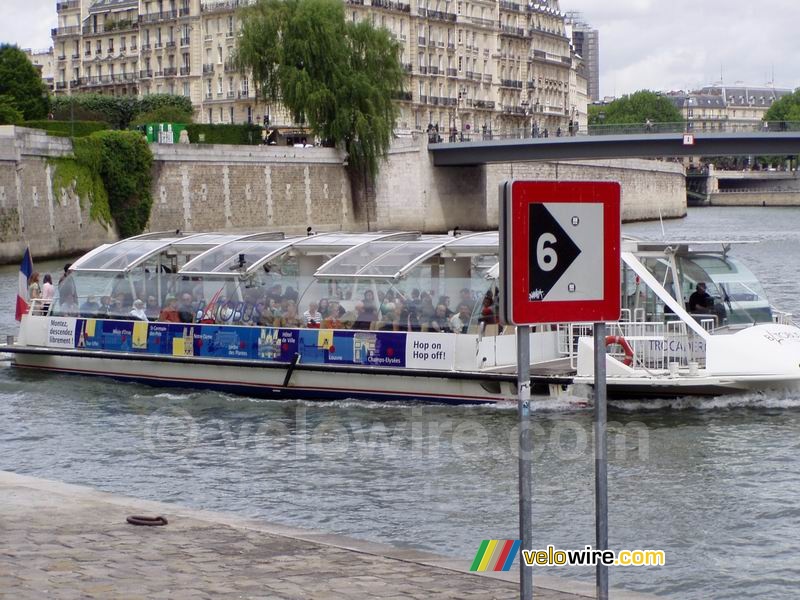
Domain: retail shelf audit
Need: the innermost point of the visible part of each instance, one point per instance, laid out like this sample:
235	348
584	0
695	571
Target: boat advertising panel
315	346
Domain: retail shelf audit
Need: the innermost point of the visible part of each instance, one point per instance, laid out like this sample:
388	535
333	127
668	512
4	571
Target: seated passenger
439	322
445	301
170	312
312	317
700	301
90	307
137	312
465	297
389	320
117	309
324	308
105	307
488	315
290	317
459	322
185	308
152	309
334	318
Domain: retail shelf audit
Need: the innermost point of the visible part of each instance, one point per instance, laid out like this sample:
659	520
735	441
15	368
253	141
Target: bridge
621	141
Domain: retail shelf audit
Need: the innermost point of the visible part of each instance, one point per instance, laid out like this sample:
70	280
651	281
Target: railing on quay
534	131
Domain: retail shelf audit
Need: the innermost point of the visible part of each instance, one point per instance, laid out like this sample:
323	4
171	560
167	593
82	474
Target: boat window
227	257
731	284
119	256
638	299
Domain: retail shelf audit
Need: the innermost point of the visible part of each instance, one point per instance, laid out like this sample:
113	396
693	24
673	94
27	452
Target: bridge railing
484	134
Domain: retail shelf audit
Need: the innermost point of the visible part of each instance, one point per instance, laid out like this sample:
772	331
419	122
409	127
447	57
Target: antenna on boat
661	220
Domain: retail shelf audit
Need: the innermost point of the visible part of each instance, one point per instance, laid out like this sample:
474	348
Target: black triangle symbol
552	252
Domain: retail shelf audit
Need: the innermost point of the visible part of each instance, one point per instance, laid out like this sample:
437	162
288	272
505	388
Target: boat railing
654	344
39	307
780	317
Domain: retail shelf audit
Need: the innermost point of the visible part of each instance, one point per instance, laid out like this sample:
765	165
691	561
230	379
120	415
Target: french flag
25	272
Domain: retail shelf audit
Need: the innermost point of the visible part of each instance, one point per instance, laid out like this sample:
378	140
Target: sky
644	44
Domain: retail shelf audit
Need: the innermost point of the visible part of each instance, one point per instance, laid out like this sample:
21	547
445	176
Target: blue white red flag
25	272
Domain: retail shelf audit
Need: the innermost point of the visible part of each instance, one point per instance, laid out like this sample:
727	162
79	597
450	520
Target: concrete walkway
64	541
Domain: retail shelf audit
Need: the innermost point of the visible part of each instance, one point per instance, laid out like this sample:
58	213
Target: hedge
119	111
225	134
68	128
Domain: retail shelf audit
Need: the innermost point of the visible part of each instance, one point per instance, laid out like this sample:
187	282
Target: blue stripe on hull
277	393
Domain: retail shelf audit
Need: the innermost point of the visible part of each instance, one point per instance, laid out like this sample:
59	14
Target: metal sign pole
600	456
525	451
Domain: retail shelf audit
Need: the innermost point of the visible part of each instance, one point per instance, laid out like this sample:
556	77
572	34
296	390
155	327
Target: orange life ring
626	347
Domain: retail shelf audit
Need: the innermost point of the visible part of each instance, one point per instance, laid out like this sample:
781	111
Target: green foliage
113	170
165	114
118	111
68	128
787	108
9	115
337	76
224	134
126	172
636	108
21	81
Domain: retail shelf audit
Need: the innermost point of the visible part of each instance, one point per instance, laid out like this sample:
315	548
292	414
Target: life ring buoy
623	343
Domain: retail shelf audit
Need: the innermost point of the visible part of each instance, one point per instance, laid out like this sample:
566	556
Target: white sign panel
435	351
61	332
567	252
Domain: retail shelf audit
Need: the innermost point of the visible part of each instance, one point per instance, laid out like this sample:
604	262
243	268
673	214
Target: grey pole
525	450
600	456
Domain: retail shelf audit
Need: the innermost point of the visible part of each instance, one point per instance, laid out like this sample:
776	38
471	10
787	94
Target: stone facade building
726	107
474	65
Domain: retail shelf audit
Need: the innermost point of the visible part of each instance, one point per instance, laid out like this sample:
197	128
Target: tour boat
226	312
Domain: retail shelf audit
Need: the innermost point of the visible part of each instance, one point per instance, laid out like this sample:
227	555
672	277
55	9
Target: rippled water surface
715	482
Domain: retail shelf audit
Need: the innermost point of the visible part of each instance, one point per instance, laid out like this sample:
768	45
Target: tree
636	108
20	80
9	115
787	108
337	76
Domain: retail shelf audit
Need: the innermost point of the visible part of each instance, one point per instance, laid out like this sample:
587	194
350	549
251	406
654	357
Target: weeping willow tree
340	78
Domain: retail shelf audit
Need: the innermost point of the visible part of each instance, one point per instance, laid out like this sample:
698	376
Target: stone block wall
212	188
52	222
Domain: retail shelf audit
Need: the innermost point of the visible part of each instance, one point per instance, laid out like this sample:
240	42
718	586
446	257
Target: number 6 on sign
547	257
560	248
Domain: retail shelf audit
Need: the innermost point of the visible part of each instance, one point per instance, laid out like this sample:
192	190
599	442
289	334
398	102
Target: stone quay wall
755	198
252	188
52	223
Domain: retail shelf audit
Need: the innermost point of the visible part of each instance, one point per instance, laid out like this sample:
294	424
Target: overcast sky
654	44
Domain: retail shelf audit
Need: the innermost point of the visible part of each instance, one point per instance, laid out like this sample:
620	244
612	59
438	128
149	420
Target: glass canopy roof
355	255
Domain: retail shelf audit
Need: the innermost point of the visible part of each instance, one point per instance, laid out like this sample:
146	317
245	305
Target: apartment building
474	66
726	107
586	43
44	61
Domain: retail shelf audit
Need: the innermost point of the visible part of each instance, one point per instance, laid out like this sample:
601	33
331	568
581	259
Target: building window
187	91
231	114
245	87
219	87
460	64
210	116
99	47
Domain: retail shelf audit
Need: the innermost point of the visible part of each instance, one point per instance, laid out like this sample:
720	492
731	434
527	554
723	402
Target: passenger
152	309
334	318
427	309
488	315
439	323
445	301
290	317
267	314
48	289
185	308
459	322
358	318
137	312
312	317
34	290
170	311
68	305
291	294
370	308
465	296
90	307
700	301
117	308
105	307
66	284
389	321
324	308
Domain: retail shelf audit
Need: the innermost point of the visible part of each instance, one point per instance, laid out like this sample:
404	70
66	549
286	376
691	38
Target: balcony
510	6
68	5
61	85
433	70
146	74
452	72
171	45
450	46
184	12
133	47
62	57
87	53
208	69
487	78
243	95
432	43
406	96
481	22
421	40
407	67
158	74
209	95
509	30
75	56
74	83
390	5
185	71
64	31
436	14
170	72
185	41
484	104
423	99
230	66
213	6
146	48
511	83
231	94
158	17
158	45
423	70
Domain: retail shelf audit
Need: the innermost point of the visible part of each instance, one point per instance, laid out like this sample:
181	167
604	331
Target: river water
714	483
